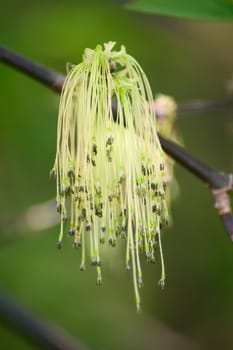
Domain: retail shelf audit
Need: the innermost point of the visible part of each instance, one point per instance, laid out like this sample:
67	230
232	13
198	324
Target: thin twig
29	325
55	81
219	183
46	76
203	107
210	176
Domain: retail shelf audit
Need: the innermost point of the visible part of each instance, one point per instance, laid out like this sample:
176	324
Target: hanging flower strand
109	166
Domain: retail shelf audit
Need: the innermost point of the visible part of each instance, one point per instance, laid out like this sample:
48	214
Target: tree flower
109	166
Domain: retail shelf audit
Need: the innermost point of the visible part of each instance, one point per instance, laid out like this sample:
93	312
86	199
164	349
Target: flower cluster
109	166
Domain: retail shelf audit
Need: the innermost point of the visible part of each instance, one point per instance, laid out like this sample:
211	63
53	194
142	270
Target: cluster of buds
111	177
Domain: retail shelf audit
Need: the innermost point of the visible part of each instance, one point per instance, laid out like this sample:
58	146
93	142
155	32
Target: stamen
111	177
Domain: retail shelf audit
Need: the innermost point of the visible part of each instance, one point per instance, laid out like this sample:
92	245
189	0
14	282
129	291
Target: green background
186	59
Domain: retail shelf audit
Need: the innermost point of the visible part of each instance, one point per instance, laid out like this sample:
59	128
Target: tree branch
46	76
204	107
34	328
213	178
55	81
210	176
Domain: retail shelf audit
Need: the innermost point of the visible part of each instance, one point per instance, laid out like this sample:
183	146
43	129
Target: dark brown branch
46	76
210	176
34	328
55	81
219	183
227	220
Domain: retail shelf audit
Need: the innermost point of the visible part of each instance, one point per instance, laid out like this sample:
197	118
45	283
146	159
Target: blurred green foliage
184	59
192	9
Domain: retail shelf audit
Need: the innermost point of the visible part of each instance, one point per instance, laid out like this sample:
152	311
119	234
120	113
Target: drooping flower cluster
109	164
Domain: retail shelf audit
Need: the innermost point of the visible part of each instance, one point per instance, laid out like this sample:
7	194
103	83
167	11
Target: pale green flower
166	108
109	165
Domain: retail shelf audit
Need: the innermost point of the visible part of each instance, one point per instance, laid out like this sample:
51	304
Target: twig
55	81
203	107
46	76
31	326
219	183
212	177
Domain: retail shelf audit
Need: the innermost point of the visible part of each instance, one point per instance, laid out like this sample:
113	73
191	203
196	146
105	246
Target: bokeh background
186	59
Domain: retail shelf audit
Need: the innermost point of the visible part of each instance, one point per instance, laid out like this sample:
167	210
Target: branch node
221	198
223	205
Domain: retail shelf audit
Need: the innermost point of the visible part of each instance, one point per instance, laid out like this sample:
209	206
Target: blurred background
186	59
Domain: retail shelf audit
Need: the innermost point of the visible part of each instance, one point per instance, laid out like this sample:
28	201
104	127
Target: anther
94	149
71	175
109	141
88	226
82	267
59	207
112	66
71	232
161	283
154	186
77	244
84	213
95	261
161	166
68	190
81	189
53	173
112	241
122	178
59	244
